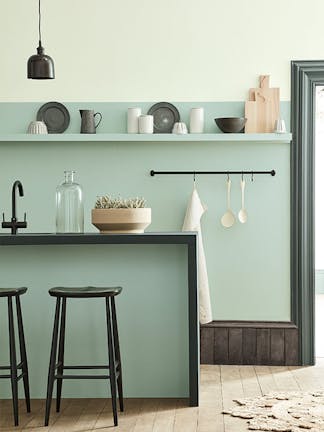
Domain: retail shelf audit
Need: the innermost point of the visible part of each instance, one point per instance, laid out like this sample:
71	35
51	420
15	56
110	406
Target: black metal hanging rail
153	172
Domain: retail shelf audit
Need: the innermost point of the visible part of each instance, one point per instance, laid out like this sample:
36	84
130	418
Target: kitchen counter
96	238
187	239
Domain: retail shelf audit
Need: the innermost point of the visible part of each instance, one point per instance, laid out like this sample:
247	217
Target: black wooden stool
57	368
14	366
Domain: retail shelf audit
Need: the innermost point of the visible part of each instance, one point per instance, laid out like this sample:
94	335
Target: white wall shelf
123	137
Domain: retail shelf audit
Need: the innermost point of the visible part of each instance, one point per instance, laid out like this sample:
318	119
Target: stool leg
117	354
61	356
51	370
13	361
112	366
23	355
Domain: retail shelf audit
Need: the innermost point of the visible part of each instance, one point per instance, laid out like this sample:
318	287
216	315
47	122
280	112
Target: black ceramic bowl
231	124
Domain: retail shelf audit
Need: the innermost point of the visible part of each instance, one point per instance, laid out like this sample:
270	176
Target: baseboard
272	343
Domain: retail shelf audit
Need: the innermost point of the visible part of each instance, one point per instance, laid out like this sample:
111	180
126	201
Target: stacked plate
165	116
55	115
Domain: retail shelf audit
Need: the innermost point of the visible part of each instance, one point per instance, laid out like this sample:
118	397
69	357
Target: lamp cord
39	23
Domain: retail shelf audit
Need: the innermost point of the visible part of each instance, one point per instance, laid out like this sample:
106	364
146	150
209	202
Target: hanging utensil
228	219
242	216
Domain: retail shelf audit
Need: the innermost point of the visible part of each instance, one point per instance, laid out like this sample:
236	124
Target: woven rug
282	412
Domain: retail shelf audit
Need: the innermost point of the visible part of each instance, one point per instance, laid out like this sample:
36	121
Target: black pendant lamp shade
40	65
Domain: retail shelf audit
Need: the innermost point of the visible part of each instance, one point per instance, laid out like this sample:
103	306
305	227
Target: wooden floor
219	385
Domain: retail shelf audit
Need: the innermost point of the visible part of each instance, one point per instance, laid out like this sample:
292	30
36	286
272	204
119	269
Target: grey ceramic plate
165	115
55	115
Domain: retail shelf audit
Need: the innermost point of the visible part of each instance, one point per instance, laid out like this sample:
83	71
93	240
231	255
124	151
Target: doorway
306	76
319	221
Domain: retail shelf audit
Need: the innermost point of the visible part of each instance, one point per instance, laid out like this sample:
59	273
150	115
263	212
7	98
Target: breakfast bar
187	239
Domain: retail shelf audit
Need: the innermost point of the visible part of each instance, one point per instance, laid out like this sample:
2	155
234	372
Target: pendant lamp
40	65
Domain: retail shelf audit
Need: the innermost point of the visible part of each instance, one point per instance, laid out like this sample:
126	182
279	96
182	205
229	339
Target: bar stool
14	366
57	366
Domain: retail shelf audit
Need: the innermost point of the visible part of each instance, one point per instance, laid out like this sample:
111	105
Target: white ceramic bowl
37	127
180	128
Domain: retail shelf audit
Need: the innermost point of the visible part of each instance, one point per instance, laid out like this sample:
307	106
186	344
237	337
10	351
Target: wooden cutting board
251	114
261	115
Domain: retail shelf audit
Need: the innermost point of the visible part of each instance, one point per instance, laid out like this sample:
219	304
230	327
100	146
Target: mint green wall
248	264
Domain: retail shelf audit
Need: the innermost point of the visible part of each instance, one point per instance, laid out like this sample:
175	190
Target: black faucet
15	224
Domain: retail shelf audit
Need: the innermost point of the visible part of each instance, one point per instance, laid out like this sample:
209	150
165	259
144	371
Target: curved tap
14	224
17	184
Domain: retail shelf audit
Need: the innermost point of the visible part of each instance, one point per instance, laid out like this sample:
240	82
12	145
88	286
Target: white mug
145	124
197	120
37	127
132	119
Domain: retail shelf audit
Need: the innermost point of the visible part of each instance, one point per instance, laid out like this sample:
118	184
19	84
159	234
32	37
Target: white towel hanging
195	210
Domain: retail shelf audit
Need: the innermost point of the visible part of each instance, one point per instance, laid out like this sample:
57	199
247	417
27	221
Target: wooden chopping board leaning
263	107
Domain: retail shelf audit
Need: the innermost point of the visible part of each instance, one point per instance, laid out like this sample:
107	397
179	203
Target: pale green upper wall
124	50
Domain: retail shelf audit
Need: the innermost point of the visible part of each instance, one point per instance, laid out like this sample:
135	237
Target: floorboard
219	386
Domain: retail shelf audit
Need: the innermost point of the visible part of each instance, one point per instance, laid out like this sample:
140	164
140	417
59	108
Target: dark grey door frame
305	76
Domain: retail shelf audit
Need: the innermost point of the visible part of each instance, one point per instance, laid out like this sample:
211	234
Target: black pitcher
88	125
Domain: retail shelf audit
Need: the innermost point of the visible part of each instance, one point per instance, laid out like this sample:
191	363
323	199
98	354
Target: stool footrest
117	364
19	366
86	367
9	376
63	376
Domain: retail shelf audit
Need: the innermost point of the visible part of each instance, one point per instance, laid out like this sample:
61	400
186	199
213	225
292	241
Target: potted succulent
118	215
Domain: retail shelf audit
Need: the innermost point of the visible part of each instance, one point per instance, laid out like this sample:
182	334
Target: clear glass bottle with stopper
69	206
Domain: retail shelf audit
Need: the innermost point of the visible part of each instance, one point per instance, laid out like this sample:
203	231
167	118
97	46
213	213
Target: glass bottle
69	206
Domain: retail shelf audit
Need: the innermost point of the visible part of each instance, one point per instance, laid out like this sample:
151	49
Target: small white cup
132	119
280	126
145	124
197	120
37	127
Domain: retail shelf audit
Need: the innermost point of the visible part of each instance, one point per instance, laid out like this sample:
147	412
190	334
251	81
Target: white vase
197	120
132	120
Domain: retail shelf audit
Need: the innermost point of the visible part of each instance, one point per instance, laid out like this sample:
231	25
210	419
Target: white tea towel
195	210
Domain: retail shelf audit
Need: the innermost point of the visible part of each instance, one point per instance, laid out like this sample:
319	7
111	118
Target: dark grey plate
55	115
165	115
